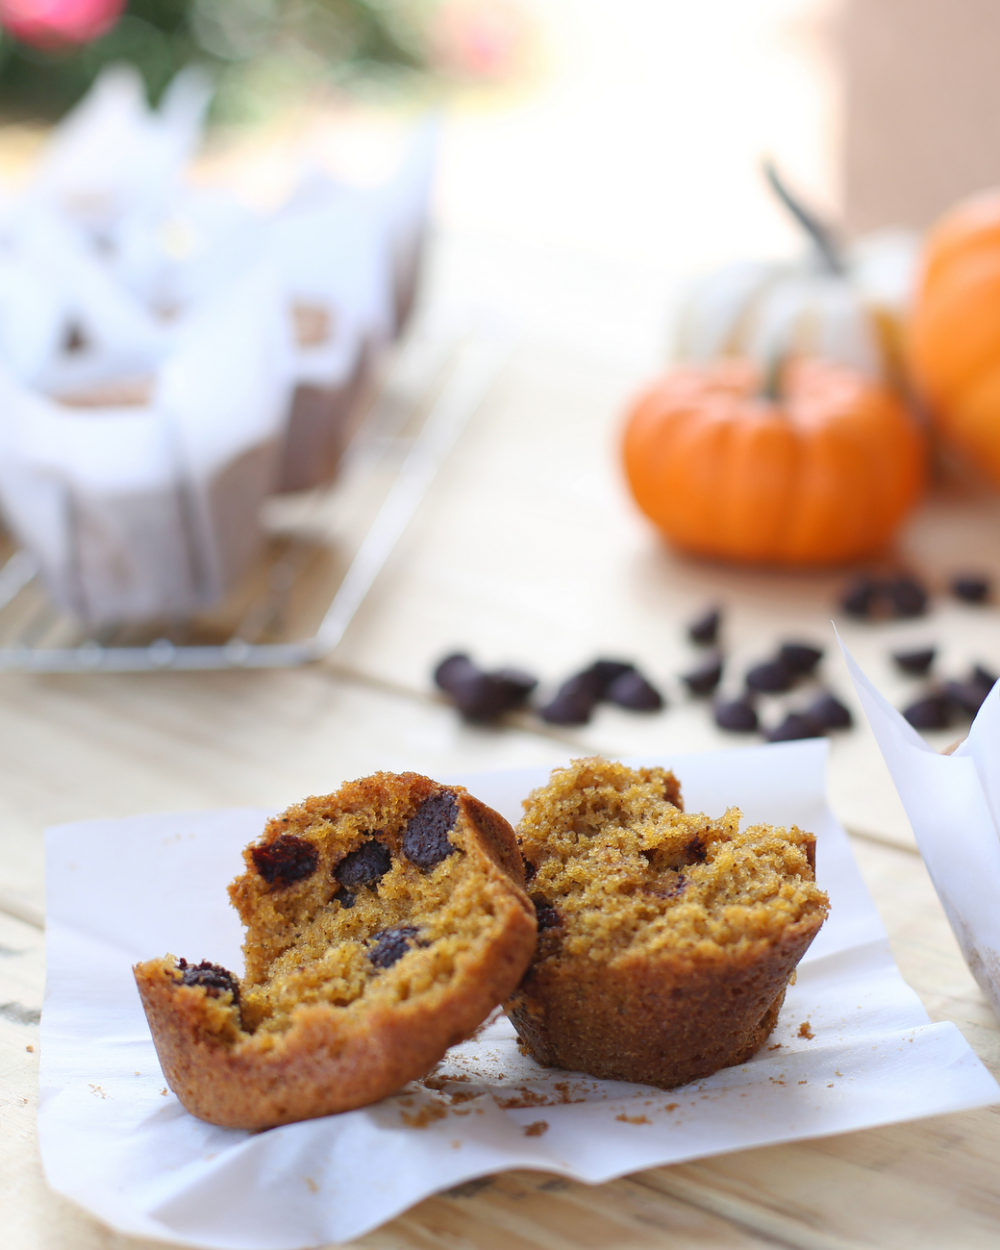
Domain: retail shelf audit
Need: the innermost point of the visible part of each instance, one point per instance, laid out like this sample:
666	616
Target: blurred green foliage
259	51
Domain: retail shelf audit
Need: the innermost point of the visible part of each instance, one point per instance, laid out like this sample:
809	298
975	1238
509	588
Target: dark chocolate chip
931	711
479	695
603	673
800	657
770	677
529	869
634	691
906	595
546	914
517	684
694	850
983	677
572	704
971	587
425	838
391	945
704	678
794	726
288	858
704	629
917	661
966	696
735	715
213	978
365	866
345	899
829	712
452	670
860	597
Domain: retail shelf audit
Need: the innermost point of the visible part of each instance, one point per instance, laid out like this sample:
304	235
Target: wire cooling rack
324	549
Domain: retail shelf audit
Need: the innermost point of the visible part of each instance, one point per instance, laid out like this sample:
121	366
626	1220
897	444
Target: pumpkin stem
822	235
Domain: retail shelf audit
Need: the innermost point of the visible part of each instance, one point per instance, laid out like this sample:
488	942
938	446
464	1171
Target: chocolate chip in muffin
285	860
736	715
704	629
391	945
801	657
704	678
425	838
548	917
636	692
213	978
971	587
916	661
365	866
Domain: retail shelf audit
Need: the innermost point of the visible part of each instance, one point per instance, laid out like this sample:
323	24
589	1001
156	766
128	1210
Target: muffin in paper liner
140	498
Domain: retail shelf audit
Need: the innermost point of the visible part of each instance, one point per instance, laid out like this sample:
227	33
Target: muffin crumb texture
666	938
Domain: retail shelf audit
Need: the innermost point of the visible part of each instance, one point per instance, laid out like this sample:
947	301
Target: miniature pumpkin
846	304
954	337
820	469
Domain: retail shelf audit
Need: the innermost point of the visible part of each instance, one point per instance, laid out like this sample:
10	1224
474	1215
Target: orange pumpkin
954	335
821	472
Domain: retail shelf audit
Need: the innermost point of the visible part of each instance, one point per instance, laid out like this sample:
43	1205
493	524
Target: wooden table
527	550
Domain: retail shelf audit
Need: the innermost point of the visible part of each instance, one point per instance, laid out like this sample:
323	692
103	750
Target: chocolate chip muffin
666	939
383	923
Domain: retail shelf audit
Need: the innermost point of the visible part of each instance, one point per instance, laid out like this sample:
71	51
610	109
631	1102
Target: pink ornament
55	23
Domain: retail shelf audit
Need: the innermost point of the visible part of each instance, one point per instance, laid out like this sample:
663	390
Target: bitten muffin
666	939
383	923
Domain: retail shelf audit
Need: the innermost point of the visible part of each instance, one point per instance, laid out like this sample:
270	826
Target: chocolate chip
480	695
859	598
346	900
694	850
517	683
634	691
391	945
917	661
705	677
288	858
365	866
966	696
704	629
603	673
931	711
906	595
572	704
770	677
971	587
800	657
546	914
213	978
828	712
794	726
735	715
425	838
983	677
529	869
452	670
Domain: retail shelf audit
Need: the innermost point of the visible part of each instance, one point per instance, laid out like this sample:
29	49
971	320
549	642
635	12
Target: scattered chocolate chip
213	978
634	691
966	696
365	866
704	630
906	595
704	678
288	858
859	597
971	587
983	677
828	712
572	704
453	670
735	715
517	683
603	673
794	726
425	838
391	945
480	695
916	662
800	657
770	677
931	711
546	914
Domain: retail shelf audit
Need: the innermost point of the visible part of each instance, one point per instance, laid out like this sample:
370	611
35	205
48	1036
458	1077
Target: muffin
383	923
666	939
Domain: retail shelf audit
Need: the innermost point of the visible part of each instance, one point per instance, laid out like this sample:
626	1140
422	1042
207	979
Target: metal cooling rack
323	553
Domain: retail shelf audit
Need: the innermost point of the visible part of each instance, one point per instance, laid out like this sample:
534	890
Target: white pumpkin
847	305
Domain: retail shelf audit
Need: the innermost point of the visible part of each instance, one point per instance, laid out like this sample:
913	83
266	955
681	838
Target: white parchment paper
853	1047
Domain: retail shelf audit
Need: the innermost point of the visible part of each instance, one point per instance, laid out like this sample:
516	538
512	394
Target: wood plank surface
526	550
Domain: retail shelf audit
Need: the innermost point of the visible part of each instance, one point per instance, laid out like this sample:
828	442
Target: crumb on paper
311	1185
536	1128
426	1115
455	1143
805	1030
633	1119
671	1106
775	1046
96	1089
30	1049
164	1092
